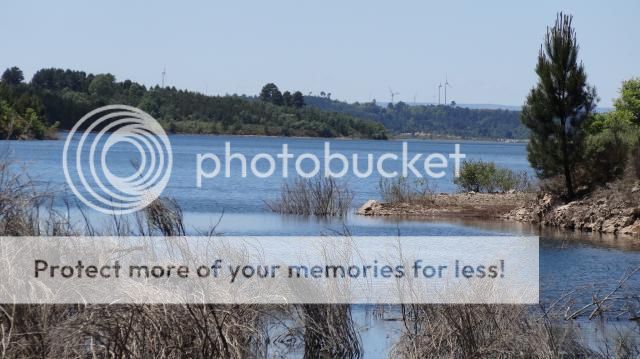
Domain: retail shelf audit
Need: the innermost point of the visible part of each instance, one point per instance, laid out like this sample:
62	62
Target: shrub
322	196
14	125
480	176
401	190
606	156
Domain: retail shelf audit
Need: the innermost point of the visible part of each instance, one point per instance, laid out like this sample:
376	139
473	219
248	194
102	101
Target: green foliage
628	104
606	154
558	107
271	93
287	98
431	120
614	139
64	96
298	100
480	176
12	76
14	125
103	87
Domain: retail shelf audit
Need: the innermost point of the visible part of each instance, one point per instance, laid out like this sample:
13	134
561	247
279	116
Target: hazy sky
353	49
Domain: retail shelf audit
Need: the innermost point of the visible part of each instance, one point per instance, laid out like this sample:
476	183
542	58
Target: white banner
269	270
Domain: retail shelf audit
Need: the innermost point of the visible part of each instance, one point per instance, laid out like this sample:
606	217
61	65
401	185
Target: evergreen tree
287	98
298	99
270	93
13	76
557	109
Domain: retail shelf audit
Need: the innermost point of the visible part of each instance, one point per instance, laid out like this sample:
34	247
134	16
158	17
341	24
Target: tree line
436	120
58	98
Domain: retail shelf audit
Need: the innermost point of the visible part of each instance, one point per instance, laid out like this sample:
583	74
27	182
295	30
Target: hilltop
435	120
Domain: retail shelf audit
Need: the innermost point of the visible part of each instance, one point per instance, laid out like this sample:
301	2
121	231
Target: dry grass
403	190
329	332
478	331
318	196
137	331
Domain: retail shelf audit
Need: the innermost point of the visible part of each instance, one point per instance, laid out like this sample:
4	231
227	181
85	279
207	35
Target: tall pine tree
558	107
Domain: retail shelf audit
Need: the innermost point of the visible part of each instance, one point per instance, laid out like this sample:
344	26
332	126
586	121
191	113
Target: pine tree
558	107
270	93
298	99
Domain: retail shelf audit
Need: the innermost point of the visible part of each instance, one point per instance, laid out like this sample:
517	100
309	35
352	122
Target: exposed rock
609	210
369	208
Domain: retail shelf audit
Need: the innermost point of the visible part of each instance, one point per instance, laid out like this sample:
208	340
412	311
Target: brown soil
479	205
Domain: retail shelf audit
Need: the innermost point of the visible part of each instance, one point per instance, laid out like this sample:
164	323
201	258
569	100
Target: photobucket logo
307	165
85	159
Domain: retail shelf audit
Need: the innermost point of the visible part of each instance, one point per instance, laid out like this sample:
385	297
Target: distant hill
432	120
474	106
62	97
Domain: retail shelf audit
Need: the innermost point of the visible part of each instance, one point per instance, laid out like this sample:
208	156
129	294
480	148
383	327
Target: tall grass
132	331
318	196
479	331
402	190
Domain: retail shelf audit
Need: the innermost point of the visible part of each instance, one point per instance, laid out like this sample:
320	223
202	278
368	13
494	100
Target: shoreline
605	212
62	133
443	205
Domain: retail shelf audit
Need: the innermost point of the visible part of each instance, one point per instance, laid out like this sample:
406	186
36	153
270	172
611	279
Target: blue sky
353	49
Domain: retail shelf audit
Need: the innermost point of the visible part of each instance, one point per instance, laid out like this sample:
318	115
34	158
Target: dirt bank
480	205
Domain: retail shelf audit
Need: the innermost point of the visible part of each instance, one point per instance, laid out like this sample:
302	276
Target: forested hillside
64	96
56	99
431	120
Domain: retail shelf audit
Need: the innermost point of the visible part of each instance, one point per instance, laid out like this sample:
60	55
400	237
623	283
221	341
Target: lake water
585	263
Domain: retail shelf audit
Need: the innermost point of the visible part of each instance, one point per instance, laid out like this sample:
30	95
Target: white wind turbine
393	94
446	84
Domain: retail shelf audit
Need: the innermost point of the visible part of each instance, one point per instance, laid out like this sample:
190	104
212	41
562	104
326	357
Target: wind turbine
446	84
439	89
164	72
393	94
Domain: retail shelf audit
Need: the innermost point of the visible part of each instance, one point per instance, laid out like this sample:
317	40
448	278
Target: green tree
103	86
270	93
298	99
628	104
556	109
13	76
287	98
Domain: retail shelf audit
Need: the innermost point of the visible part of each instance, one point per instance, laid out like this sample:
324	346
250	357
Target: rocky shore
606	211
610	210
478	205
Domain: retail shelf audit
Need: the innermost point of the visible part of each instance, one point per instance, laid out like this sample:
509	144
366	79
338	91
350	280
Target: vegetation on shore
318	196
431	120
62	97
480	176
20	113
570	143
